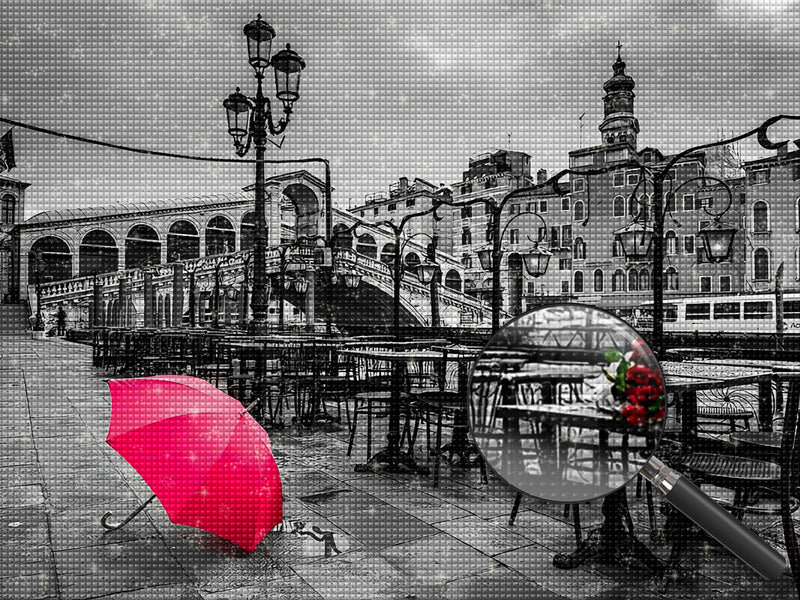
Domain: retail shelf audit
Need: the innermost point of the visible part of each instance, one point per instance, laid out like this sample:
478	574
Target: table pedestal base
612	541
461	452
387	461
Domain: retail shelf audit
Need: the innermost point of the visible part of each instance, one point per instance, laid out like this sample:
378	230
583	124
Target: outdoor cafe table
392	459
684	379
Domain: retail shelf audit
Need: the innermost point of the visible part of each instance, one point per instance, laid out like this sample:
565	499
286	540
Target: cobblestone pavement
398	536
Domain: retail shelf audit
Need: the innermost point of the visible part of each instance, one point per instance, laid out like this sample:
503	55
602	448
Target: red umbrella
205	458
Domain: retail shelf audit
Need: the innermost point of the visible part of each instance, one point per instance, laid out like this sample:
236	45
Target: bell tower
620	124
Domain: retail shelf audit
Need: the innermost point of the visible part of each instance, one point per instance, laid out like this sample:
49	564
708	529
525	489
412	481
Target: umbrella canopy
208	462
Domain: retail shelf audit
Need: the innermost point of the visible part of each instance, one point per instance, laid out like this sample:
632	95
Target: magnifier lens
567	403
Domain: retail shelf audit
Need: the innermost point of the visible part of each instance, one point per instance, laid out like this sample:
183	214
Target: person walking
61	321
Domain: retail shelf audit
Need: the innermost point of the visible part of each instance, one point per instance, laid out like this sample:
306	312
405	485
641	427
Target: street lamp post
427	273
250	120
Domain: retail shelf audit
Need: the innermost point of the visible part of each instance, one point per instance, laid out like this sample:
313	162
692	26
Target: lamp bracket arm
517	216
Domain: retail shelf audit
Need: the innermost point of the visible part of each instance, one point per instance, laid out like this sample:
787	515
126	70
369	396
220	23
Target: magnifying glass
568	404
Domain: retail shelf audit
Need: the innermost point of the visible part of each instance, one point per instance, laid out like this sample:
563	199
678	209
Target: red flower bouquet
637	388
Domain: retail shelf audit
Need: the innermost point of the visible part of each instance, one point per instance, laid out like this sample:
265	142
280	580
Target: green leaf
612	355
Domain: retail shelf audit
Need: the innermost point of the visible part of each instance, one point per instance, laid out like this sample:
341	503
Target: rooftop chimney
403	184
541	176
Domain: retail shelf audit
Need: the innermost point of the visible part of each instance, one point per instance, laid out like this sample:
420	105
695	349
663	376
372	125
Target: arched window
671	279
598	280
671	243
342	237
366	245
8	209
760	217
453	280
579	249
411	262
633	280
183	241
220	236
618	281
578	282
247	232
761	265
619	206
97	253
56	260
142	248
578	211
387	254
644	279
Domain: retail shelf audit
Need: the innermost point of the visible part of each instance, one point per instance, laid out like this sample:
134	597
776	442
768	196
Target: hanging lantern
536	261
351	280
718	241
636	239
427	271
485	256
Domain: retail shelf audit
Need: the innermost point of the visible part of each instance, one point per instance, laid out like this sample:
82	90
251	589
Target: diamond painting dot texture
318	216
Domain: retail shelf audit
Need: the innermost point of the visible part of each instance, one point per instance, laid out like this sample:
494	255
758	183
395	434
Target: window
688	202
644	280
579	249
632	177
578	185
619	206
554	231
698	312
598	280
564	264
578	211
566	235
531	288
543	206
671	279
757	310
578	279
512	210
796	171
375	211
670	313
670	205
487	208
759	177
618	281
616	248
411	202
791	309
700	250
466	212
761	265
760	217
7	209
541	233
531	207
705	285
565	203
727	310
565	287
513	236
633	280
392	207
671	243
361	214
466	261
688	244
466	236
725	283
619	179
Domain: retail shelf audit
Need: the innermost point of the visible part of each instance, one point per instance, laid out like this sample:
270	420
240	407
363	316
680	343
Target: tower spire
620	123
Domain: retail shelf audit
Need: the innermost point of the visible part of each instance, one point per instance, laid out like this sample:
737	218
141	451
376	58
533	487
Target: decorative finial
619	50
258	16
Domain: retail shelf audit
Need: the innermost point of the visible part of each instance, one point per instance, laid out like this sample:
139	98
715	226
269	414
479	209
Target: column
311	276
177	295
149	299
97	302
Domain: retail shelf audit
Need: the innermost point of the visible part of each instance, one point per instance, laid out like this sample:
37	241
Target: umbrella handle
113	527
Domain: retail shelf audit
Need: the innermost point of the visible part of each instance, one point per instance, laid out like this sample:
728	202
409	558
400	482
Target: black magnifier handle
714	520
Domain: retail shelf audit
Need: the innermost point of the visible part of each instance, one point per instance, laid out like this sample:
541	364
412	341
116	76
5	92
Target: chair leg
484	473
576	523
790	538
515	509
655	534
438	449
369	429
352	430
566	511
639	480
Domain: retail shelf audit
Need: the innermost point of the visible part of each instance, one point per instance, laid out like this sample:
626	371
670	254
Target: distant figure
61	321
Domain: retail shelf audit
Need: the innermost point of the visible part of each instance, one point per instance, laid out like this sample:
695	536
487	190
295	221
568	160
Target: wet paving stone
485	536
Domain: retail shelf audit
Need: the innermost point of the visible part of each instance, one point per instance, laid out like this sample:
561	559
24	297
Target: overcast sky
391	88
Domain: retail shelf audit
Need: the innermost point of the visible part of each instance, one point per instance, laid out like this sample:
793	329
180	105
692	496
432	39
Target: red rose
643	395
640	350
634	414
657	416
642	375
